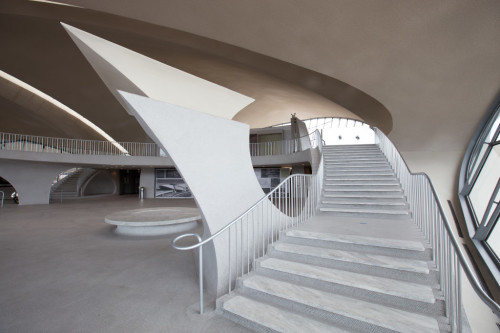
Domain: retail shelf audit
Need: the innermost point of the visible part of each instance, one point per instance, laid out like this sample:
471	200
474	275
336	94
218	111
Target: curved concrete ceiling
26	102
72	80
433	65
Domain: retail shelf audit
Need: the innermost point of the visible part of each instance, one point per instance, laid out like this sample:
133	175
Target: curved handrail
494	306
194	246
481	293
305	197
227	226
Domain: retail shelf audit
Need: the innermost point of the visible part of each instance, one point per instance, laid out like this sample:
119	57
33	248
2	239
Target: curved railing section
44	144
292	202
283	147
429	216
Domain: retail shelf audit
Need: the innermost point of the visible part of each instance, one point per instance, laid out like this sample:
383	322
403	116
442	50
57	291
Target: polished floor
64	270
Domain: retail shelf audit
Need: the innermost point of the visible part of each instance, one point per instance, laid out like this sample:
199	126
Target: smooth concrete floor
64	270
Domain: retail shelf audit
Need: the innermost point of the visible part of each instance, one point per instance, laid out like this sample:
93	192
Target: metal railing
3	196
30	143
282	147
292	202
44	144
429	216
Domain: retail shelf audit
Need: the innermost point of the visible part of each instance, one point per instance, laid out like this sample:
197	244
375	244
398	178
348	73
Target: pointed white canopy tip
158	80
143	107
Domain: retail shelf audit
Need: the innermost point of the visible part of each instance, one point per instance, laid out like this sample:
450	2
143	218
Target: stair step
366	195
342	309
362	192
359	240
335	278
264	317
353	173
363	182
358	169
335	161
360	258
362	187
357	173
347	154
381	208
361	158
356	182
365	203
365	211
364	177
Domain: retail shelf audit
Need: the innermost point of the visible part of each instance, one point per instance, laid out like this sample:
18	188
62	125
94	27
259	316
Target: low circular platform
154	221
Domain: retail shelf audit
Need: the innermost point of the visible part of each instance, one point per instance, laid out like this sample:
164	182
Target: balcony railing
283	147
44	144
30	143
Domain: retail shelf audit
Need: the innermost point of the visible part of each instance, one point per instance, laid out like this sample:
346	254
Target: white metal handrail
292	202
429	216
281	147
31	143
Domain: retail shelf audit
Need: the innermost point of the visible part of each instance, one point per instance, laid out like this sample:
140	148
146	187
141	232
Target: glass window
485	184
493	239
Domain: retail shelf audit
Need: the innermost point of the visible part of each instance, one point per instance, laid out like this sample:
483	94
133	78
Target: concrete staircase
359	181
69	186
352	268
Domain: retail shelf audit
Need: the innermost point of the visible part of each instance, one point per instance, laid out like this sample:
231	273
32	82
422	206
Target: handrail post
200	277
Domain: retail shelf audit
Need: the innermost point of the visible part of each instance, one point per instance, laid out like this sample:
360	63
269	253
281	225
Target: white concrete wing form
212	155
185	115
124	69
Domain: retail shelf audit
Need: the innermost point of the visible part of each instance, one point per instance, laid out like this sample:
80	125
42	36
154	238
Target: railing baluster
292	202
430	218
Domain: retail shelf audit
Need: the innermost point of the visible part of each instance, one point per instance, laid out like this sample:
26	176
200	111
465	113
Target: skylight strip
64	108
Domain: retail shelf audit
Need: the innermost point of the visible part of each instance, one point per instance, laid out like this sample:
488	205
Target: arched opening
8	194
342	131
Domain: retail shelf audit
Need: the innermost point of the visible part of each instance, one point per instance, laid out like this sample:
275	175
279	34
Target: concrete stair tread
332	161
277	319
361	202
364	169
372	162
364	211
409	265
364	196
330	173
365	190
359	240
390	177
385	286
374	314
371	183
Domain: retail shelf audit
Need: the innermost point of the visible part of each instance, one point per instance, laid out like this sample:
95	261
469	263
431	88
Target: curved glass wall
480	192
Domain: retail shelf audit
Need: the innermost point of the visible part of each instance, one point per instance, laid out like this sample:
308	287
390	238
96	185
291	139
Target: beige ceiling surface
428	68
433	64
39	52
